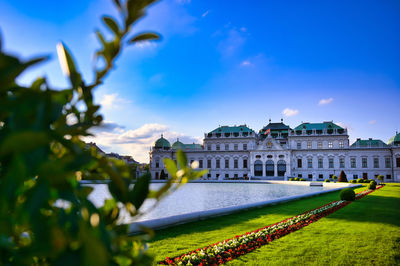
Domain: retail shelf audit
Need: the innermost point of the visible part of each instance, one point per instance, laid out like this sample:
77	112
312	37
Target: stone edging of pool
166	222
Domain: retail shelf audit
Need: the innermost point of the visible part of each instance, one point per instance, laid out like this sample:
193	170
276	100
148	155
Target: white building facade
313	151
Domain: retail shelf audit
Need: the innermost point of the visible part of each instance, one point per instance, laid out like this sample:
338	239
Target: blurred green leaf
140	191
23	142
181	158
68	65
112	25
170	166
147	36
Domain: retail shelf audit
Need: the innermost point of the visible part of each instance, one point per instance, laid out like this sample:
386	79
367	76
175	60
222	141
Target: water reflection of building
314	151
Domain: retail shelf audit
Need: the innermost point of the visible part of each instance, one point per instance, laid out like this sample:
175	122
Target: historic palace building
314	151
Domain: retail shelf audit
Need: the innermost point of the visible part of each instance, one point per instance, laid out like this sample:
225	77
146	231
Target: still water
195	197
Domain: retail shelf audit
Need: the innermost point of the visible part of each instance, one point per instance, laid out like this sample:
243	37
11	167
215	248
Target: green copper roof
395	139
368	143
162	143
193	146
317	126
234	129
178	145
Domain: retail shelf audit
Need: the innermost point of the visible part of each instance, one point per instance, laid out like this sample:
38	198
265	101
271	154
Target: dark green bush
347	194
342	177
353	181
371	186
373	182
302	179
296	179
291	179
327	180
360	180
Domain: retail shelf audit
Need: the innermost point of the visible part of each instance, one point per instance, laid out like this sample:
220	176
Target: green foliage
371	186
291	179
334	177
347	194
373	182
296	179
380	178
360	180
342	177
354	181
302	179
45	214
327	180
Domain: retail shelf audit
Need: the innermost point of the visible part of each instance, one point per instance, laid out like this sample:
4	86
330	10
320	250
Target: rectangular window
235	175
200	163
330	144
299	163
320	163
300	175
217	147
341	162
310	176
245	163
355	176
320	176
319	144
388	162
388	176
226	163
227	175
309	162
364	162
353	162
245	147
341	144
398	162
208	163
227	147
236	147
209	147
376	162
299	145
330	162
217	163
235	164
157	164
309	145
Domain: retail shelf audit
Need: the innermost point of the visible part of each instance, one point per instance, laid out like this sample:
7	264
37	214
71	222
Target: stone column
275	169
263	171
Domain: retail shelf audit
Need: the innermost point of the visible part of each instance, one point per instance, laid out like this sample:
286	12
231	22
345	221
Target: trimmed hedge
291	179
327	180
347	194
371	186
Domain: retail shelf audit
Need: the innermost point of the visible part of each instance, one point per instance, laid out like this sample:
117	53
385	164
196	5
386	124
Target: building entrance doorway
269	168
258	168
281	168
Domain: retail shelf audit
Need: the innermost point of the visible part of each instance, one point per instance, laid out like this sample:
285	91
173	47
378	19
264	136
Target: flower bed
229	249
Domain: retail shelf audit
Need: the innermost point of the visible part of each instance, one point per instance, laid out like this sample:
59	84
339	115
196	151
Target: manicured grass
364	232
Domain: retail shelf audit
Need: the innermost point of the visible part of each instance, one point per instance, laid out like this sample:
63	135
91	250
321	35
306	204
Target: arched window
258	168
269	168
281	168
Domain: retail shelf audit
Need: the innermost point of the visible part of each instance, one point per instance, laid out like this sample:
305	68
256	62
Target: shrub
296	179
380	178
371	186
353	181
327	180
347	194
334	177
360	180
291	179
302	179
342	177
373	182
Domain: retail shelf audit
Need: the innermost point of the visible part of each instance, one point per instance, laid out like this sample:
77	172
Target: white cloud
290	112
205	13
136	142
112	101
233	41
372	122
325	101
246	63
145	44
344	125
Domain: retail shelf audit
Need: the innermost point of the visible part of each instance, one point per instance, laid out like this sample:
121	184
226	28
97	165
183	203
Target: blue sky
226	63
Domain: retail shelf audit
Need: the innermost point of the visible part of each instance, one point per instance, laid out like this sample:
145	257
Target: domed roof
178	145
395	139
162	143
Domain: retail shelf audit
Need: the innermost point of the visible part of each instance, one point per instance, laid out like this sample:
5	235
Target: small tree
334	177
380	178
342	177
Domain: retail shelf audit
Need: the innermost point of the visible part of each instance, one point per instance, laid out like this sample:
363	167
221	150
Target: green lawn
364	232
